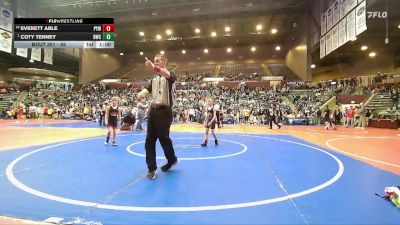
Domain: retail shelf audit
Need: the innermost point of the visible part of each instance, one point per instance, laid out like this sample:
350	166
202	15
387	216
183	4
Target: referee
160	114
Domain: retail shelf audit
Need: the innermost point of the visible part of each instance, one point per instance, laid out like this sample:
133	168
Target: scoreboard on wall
64	33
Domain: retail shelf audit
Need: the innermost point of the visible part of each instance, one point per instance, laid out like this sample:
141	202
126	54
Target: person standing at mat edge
113	115
160	114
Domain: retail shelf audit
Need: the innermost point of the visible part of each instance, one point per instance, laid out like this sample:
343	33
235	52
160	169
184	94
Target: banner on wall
322	47
23	52
329	15
336	12
5	41
6	19
342	8
342	32
351	25
328	42
335	37
323	24
351	4
48	56
361	18
36	54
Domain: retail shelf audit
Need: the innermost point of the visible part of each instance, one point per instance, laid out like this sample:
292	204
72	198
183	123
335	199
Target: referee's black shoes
168	166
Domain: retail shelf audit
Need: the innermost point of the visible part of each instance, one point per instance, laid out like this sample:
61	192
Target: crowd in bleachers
230	72
196	73
241	72
240	104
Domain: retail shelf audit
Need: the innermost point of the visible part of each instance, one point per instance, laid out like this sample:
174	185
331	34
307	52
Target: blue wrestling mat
247	179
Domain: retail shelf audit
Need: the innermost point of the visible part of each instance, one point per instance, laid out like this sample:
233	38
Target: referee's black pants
273	120
158	125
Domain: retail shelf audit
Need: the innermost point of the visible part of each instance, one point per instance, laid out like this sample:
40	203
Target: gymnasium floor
295	175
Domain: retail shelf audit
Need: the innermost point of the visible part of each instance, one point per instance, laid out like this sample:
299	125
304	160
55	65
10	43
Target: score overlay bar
64	44
64	33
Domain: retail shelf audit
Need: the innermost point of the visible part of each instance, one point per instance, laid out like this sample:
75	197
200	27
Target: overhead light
213	34
154	13
229	50
121	53
141	53
253	49
158	37
398	26
205	51
372	54
31	61
312	66
259	27
278	48
196	10
141	33
274	31
197	30
162	52
364	47
168	32
183	51
227	29
67	79
353	39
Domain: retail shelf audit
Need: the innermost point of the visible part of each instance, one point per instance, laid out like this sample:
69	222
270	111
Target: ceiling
182	16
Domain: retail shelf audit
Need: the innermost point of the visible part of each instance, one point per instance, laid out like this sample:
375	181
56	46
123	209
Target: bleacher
137	73
120	72
241	68
282	70
5	99
198	70
381	102
382	105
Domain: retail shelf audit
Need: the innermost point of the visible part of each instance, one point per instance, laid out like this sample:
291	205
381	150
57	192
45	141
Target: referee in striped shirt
159	120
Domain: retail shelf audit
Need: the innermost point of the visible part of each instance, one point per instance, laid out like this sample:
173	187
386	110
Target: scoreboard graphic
64	33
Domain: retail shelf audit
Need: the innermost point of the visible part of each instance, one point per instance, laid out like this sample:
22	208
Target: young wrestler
210	121
113	114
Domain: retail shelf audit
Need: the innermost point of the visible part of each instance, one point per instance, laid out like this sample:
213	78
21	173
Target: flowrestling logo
377	14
